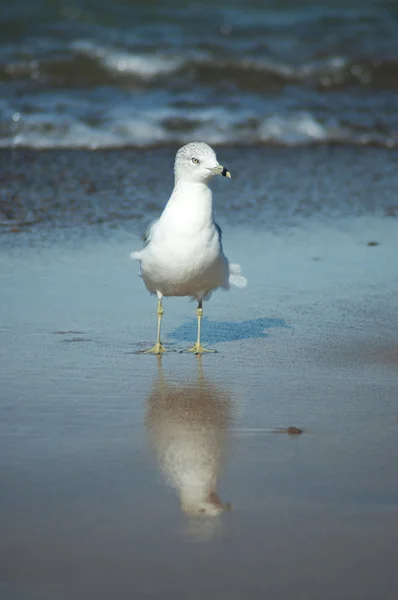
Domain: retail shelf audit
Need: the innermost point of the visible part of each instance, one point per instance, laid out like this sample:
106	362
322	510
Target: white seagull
182	253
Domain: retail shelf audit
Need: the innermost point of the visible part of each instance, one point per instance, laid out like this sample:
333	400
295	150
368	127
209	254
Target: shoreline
270	187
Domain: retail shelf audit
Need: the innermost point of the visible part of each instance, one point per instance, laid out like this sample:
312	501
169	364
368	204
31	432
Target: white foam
293	128
143	130
53	130
76	135
329	67
128	123
145	66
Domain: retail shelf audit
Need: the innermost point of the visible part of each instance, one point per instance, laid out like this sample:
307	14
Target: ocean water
97	74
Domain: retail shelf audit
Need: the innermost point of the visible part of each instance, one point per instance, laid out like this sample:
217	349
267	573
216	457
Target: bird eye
195	161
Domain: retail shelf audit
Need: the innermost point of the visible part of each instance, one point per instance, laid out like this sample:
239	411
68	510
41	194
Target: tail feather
235	277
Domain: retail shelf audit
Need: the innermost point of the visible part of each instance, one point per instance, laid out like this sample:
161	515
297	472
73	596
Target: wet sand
128	477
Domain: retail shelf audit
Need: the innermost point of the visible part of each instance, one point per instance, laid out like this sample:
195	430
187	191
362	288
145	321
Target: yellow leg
198	348
158	347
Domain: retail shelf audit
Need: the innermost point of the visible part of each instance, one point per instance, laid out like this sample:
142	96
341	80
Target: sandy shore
110	461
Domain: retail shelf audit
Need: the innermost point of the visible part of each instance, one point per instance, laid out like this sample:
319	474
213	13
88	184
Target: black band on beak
224	172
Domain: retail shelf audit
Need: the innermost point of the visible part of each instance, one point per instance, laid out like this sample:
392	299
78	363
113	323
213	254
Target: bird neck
193	201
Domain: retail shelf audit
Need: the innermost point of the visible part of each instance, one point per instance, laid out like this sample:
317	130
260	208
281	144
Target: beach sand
110	460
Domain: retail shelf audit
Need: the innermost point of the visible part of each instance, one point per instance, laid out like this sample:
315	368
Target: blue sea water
139	73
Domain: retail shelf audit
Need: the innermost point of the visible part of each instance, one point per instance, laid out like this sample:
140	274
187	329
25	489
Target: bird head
197	162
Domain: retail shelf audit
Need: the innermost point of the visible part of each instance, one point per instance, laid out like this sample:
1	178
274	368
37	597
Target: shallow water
130	73
106	455
100	447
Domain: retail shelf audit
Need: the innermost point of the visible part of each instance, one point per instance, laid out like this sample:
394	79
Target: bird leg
198	348
158	347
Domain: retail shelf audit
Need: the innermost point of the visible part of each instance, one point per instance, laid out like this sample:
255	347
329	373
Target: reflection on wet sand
187	424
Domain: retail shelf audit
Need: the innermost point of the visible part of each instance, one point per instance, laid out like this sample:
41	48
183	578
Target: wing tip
235	277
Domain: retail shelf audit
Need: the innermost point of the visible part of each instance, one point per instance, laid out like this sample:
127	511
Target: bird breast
182	263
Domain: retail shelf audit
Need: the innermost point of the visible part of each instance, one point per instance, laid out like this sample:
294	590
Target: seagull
182	253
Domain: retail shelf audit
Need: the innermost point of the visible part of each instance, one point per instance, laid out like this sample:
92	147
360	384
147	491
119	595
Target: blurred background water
96	73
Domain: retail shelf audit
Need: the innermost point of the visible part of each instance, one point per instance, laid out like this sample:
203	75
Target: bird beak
220	170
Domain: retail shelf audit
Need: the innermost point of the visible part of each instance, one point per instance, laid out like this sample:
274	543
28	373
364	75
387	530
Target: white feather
235	277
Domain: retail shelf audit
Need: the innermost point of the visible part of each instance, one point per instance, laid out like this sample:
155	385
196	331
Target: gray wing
219	231
147	235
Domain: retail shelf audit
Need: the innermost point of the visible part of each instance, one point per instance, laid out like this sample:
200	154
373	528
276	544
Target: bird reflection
187	425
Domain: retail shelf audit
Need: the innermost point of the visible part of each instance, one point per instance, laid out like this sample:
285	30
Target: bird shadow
226	331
